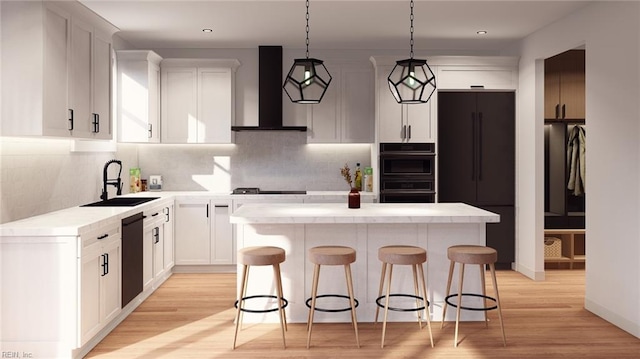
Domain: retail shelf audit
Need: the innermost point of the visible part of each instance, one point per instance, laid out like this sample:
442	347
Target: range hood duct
269	93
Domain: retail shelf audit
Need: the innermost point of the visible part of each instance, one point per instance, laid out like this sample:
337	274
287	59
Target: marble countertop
309	213
75	221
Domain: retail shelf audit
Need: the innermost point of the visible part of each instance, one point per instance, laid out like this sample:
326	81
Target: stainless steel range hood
269	93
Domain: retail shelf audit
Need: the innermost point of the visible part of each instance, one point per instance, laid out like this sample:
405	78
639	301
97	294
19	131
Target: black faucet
117	183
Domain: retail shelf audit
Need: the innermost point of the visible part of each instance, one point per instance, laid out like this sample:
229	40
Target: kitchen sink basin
121	202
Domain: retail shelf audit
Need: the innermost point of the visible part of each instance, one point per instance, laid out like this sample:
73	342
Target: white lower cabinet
100	277
155	248
168	235
203	232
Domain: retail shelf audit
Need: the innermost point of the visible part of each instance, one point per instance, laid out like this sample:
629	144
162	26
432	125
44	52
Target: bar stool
403	255
472	254
332	255
261	256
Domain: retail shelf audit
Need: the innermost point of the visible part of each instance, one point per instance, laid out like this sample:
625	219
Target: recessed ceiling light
207	30
481	32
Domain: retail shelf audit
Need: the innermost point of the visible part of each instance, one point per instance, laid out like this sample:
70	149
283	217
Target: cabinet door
179	105
357	106
158	250
91	271
222	241
110	282
496	157
215	106
572	85
418	121
501	236
167	233
323	119
102	87
390	120
552	70
152	133
80	78
138	103
456	155
192	244
55	114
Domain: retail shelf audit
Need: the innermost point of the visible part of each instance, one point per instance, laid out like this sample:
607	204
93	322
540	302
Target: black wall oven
407	172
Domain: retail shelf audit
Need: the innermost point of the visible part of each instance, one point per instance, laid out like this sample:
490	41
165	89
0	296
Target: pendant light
411	81
308	78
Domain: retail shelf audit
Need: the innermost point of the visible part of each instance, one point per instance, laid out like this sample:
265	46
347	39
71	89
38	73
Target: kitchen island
297	227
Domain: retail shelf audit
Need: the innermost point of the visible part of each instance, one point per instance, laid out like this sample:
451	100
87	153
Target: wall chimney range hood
269	93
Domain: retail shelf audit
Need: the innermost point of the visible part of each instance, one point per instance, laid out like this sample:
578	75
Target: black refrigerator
476	160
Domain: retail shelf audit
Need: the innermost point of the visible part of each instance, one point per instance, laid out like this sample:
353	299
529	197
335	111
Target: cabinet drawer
106	233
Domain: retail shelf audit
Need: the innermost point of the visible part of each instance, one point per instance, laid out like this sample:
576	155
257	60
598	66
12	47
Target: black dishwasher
132	232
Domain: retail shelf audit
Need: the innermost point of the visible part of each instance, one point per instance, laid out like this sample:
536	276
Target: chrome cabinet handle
150	130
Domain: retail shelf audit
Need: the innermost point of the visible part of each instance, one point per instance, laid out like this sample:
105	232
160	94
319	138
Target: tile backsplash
266	159
42	175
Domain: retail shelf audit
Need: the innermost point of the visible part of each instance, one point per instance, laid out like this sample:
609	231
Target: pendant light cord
308	29
411	28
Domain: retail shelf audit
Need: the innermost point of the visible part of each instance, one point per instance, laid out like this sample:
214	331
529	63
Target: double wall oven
407	173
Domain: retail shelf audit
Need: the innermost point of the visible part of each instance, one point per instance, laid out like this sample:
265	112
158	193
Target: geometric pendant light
411	81
308	78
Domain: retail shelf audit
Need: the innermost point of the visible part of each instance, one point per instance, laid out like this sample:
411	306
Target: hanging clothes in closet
576	162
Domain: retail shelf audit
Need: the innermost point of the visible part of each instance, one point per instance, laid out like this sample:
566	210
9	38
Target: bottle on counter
368	179
358	179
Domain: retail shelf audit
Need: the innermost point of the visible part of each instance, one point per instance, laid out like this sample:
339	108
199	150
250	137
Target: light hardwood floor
191	316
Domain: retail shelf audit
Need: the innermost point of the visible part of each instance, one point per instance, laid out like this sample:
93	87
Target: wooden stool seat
261	256
332	255
403	255
470	254
482	256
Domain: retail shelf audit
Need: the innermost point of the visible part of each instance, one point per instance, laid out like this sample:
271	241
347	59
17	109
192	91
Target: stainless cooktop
256	190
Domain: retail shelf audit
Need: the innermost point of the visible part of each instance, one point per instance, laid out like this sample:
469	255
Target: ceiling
356	24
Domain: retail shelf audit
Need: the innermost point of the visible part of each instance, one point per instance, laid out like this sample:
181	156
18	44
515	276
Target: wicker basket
552	247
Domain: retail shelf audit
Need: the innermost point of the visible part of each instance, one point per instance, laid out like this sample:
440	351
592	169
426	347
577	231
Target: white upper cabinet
401	122
197	100
56	70
398	123
346	113
138	96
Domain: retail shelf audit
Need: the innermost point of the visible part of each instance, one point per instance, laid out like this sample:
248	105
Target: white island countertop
307	213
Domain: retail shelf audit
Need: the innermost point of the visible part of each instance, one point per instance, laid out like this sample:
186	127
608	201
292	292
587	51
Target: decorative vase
354	198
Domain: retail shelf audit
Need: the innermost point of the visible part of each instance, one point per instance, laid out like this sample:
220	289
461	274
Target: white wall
611	33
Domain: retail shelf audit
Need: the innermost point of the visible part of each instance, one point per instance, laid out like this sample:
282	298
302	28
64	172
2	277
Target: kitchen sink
121	202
